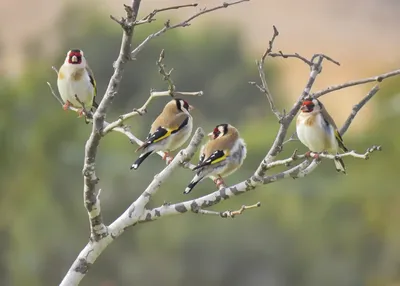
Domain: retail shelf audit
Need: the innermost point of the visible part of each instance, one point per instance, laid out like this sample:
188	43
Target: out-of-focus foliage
326	229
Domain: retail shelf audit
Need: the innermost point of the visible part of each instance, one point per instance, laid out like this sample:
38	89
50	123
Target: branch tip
232	214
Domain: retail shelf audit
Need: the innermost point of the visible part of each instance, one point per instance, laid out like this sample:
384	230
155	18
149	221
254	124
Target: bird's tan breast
309	120
78	74
61	75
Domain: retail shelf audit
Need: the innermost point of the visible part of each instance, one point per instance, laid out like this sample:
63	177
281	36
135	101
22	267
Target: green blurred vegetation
326	229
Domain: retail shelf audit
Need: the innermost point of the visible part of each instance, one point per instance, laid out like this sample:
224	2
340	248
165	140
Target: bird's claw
316	156
168	158
66	105
308	154
81	112
219	182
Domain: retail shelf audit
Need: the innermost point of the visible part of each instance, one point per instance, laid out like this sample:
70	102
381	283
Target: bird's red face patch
75	57
216	132
307	106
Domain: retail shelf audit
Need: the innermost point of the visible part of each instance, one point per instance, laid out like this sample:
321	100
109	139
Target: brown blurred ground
361	34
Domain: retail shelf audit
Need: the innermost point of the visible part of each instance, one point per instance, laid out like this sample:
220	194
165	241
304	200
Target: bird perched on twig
76	83
318	132
168	132
222	155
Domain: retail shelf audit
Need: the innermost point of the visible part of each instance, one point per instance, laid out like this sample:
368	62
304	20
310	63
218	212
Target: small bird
76	81
318	132
222	155
168	132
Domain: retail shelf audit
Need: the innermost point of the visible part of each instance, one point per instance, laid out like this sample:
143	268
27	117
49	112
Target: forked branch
185	23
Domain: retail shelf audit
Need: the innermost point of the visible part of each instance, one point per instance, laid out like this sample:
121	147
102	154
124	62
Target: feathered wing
339	163
216	157
162	133
93	82
338	137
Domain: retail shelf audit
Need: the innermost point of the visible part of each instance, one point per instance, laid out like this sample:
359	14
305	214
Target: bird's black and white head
75	57
178	105
311	106
219	131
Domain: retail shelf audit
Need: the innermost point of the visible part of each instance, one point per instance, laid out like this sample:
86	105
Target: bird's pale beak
210	135
74	59
191	107
304	108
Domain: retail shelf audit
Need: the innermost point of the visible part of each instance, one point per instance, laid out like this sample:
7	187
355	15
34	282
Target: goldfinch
318	132
168	132
222	155
75	79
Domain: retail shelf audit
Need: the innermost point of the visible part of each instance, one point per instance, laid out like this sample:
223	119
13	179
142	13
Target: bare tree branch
129	218
228	213
292	137
295	55
378	78
357	107
150	17
98	229
264	87
185	23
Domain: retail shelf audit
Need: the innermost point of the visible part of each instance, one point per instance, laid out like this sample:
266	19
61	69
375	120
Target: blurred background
326	229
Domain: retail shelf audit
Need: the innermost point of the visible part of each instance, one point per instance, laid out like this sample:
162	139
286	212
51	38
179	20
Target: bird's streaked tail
192	184
140	160
339	164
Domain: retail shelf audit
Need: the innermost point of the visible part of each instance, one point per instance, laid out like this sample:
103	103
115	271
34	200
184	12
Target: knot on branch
83	266
98	235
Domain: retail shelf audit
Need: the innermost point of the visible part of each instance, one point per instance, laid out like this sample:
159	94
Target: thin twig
271	44
285	162
357	107
378	78
295	55
150	17
293	137
56	95
166	75
303	59
226	214
232	214
168	26
307	170
264	85
329	59
352	153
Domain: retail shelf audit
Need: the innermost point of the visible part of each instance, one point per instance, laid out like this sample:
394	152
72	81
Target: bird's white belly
315	138
82	88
